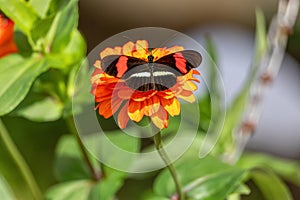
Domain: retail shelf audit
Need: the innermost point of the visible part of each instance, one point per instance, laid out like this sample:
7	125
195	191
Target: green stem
20	162
96	176
165	158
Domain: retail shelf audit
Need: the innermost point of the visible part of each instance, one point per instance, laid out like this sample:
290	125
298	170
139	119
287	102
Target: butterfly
159	75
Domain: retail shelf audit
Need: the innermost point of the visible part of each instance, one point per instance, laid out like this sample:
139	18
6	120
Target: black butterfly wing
151	76
164	76
118	65
144	76
139	78
182	61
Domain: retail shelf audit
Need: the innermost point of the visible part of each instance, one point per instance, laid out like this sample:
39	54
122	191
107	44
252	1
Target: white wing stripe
141	74
163	73
148	74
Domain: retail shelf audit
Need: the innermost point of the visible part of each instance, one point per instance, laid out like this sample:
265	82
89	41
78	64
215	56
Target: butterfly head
150	58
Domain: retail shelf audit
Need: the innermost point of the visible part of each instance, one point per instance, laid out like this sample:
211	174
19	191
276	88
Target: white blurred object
278	131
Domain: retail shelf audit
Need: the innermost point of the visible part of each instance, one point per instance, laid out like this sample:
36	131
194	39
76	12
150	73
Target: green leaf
73	190
214	82
148	194
241	190
270	185
42	110
105	189
124	141
216	186
156	198
16	77
40	30
69	164
205	112
164	184
57	5
64	23
78	89
72	55
75	51
285	168
20	12
40	7
24	48
261	36
99	143
5	191
78	82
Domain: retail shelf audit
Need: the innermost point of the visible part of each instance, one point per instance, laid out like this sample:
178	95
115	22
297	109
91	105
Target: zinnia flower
7	44
112	95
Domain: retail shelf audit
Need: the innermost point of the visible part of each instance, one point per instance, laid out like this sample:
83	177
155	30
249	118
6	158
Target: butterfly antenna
130	39
165	42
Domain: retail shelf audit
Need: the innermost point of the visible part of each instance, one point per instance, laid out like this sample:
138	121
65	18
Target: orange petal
97	64
141	50
96	75
172	106
123	117
142	45
98	69
187	96
105	109
108	106
109	79
6	30
125	93
189	76
167	94
196	72
142	96
188	85
8	48
160	118
152	105
175	49
115	104
144	108
101	91
135	112
110	51
128	48
159	52
103	97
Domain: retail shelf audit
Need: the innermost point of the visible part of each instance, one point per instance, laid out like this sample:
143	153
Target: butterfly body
160	74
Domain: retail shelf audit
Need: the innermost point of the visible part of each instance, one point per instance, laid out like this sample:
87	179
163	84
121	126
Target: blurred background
232	26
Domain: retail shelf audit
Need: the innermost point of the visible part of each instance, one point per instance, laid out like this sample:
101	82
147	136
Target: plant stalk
20	162
165	158
269	66
96	176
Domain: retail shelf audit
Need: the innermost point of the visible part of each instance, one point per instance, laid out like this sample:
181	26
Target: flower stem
96	176
20	162
165	158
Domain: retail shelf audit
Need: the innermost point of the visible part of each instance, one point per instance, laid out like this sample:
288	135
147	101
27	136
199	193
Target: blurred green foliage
35	102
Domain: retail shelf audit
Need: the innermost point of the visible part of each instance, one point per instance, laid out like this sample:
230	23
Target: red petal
105	109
